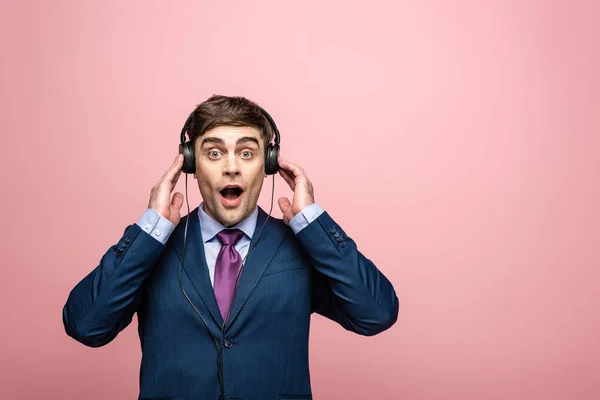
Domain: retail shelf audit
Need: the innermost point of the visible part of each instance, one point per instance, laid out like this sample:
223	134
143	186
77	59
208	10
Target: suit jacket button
332	230
127	241
119	253
228	343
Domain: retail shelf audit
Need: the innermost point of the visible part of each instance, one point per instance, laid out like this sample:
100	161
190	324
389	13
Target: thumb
285	205
177	201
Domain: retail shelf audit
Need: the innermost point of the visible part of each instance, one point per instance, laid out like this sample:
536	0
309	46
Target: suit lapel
261	253
194	264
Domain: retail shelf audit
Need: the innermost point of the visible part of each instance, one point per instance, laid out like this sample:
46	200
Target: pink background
457	142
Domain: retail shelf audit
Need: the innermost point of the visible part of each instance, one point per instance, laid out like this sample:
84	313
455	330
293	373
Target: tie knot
229	236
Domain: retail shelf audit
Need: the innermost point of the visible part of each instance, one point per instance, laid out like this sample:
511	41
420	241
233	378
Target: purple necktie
226	268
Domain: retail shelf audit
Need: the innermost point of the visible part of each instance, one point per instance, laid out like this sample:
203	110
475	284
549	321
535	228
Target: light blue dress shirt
161	228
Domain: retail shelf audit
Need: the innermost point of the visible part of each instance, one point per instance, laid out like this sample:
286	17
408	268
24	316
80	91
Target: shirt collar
210	227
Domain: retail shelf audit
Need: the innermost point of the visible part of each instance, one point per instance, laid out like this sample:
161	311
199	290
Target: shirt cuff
156	225
305	217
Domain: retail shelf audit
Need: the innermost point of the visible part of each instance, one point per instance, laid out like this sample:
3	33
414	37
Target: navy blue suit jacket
265	354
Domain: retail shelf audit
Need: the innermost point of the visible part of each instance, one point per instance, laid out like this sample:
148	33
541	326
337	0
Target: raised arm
103	303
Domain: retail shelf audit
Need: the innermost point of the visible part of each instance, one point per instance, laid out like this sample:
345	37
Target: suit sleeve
347	287
103	303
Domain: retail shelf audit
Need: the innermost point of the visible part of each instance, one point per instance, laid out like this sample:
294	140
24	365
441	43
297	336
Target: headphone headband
185	127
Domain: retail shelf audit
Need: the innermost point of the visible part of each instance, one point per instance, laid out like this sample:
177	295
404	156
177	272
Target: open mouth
231	194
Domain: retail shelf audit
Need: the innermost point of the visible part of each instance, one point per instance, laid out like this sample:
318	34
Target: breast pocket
285	263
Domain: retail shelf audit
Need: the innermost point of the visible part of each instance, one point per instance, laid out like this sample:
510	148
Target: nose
232	167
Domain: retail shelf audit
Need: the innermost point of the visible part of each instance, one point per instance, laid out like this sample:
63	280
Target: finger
177	201
288	179
174	170
306	177
177	164
292	168
285	206
303	172
176	178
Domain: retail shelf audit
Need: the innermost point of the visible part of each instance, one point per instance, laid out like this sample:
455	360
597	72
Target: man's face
230	171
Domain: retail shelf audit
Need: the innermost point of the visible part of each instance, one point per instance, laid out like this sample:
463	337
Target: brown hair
234	111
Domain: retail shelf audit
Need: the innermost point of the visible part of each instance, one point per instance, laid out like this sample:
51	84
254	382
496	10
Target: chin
229	218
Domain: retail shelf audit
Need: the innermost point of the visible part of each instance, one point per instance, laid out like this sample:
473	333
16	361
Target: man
210	325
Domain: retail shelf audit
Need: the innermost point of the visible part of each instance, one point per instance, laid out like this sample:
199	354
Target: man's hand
304	196
160	195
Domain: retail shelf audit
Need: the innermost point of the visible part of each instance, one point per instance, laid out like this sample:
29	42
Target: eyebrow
241	140
247	139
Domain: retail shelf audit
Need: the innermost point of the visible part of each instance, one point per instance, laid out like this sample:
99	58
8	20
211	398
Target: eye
213	154
246	154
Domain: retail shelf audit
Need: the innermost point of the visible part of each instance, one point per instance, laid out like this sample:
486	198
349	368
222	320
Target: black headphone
189	159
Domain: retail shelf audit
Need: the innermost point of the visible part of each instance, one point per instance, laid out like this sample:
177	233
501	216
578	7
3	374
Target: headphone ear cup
189	159
271	164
